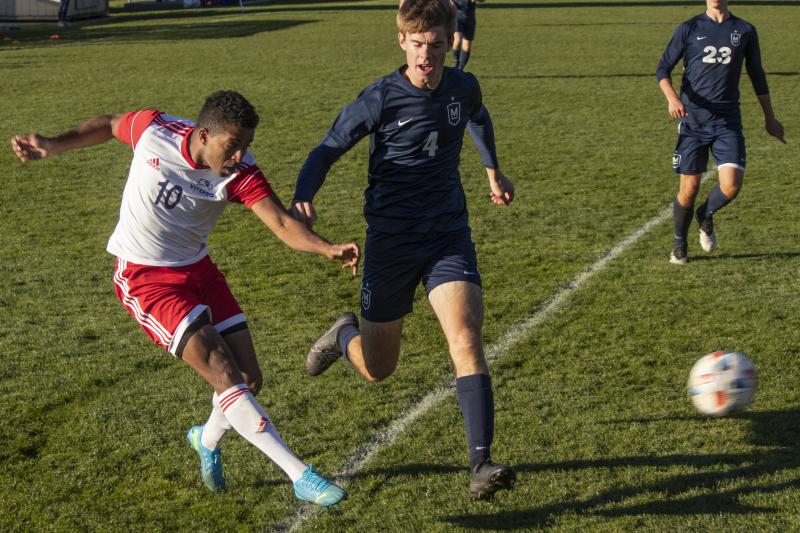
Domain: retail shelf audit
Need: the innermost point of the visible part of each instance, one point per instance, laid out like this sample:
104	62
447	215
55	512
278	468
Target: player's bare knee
731	190
379	366
254	381
221	363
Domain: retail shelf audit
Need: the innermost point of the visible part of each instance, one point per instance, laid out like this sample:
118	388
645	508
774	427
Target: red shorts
166	300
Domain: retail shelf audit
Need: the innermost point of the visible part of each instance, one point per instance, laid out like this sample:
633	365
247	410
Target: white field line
388	434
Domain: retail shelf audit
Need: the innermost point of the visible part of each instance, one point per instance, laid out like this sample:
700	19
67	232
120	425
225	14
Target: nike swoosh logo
404	122
701	38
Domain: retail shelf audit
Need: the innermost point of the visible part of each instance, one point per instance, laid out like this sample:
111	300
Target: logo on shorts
262	425
676	160
366	297
155	163
736	38
454	113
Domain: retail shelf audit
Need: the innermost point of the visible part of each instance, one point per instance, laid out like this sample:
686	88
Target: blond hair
418	16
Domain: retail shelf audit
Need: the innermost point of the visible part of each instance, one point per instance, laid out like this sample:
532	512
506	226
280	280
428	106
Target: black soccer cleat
678	255
326	350
488	477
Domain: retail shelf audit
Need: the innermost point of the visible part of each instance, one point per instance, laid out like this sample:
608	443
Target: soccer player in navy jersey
417	230
465	31
714	45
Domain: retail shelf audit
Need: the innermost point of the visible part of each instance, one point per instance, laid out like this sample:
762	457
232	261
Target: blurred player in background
713	45
465	31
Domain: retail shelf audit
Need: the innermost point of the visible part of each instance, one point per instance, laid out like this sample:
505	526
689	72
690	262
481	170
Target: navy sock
462	59
682	217
716	200
456	55
477	406
346	334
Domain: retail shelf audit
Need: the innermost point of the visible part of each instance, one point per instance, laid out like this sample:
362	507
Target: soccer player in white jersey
182	176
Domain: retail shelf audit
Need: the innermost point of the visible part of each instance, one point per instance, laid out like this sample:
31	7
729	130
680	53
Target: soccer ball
722	383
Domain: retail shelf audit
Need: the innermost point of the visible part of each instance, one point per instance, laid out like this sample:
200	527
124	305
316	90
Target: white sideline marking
387	435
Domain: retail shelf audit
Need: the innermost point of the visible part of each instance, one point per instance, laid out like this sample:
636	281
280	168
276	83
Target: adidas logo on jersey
154	163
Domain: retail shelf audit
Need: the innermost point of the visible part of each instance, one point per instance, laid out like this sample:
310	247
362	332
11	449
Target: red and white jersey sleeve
170	203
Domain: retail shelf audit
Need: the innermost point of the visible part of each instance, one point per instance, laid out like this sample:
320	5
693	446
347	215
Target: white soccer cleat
708	241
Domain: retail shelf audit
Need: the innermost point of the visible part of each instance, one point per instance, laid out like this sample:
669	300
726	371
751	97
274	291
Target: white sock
251	422
216	426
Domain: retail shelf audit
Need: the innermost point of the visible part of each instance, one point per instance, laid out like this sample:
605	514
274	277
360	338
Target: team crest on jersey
454	113
736	38
676	160
366	298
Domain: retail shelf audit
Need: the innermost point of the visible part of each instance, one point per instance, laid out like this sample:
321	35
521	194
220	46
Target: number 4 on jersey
431	145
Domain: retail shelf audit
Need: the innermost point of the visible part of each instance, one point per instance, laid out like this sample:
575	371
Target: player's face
717	4
425	55
224	149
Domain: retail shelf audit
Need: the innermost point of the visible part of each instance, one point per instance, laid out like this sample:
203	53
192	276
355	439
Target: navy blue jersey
713	54
415	150
465	6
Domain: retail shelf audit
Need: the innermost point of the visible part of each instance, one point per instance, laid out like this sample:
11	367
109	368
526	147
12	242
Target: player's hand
349	252
502	187
30	147
304	212
775	128
676	108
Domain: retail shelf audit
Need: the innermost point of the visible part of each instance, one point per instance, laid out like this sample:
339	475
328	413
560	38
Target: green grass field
591	404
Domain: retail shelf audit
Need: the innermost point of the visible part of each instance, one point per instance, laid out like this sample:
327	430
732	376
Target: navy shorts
395	264
465	25
691	151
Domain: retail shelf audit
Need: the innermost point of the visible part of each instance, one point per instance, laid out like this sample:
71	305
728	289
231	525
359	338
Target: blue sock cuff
475	381
346	334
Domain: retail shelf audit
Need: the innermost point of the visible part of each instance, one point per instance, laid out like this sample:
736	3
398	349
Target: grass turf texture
591	405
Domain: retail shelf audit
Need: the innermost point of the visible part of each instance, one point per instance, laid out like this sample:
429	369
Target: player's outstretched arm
304	212
502	187
771	124
297	236
96	130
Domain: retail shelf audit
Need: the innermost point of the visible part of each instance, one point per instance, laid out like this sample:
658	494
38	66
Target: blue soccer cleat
314	488
210	460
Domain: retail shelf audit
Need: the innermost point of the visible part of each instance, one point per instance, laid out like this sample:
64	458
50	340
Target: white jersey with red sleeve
170	203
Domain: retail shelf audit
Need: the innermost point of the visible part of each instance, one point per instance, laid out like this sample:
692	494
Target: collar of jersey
406	83
185	152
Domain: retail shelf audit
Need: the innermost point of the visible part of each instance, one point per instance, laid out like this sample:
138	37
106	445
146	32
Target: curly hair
418	16
224	108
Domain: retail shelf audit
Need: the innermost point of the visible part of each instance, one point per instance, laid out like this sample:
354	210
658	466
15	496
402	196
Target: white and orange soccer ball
722	383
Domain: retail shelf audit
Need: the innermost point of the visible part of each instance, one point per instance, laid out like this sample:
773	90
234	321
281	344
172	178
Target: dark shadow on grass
594	76
163	32
778	431
303	6
733	257
634	3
